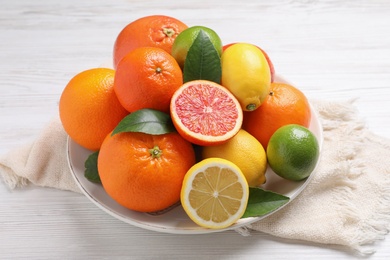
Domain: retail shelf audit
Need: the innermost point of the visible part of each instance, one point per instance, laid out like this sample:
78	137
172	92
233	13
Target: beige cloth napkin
346	203
43	162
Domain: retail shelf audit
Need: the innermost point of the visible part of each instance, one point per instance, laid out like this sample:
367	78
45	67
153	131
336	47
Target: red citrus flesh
205	113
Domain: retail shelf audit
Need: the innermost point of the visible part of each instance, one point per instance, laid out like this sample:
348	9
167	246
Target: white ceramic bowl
176	221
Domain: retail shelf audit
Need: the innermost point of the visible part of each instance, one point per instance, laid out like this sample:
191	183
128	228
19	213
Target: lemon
246	73
293	152
186	38
214	193
245	151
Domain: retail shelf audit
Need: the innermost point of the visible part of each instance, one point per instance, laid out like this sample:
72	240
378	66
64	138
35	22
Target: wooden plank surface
333	50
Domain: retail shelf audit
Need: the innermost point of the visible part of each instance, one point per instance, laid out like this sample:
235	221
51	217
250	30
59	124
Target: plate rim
197	230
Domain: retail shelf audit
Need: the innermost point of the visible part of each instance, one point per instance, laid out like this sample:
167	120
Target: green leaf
91	170
148	121
262	202
202	60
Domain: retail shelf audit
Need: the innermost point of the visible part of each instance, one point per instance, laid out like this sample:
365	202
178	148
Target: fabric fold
347	202
42	162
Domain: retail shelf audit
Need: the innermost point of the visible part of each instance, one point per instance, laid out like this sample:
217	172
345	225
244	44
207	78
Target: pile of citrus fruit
182	118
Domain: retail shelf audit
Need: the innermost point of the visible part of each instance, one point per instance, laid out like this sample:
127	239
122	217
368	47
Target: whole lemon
244	151
246	73
293	152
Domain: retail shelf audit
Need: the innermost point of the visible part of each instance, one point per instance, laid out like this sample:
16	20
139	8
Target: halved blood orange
205	113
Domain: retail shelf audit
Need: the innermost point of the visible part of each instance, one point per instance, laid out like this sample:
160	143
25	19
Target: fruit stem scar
155	152
169	31
251	107
271	93
158	70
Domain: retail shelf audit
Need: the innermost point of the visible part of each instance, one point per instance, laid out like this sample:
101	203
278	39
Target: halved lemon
214	193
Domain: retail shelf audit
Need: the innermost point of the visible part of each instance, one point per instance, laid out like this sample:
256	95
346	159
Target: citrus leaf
91	170
148	121
262	202
202	60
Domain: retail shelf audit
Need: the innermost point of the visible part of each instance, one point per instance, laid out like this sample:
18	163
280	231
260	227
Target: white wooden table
335	50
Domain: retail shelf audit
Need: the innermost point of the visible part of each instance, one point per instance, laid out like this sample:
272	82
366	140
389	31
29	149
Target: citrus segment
205	113
214	193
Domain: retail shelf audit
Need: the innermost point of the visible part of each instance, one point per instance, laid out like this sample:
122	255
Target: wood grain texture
334	50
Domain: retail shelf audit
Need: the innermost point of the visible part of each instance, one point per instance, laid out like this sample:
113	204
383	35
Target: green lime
293	152
185	39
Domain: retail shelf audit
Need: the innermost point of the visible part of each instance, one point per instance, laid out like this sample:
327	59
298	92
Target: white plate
175	221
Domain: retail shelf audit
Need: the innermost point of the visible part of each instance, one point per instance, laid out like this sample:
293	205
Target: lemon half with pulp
214	193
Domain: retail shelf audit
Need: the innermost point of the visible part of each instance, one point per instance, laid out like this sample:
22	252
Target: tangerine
149	31
284	105
147	77
144	172
205	113
89	108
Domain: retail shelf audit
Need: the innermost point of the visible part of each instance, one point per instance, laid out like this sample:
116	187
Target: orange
284	105
270	64
144	172
205	113
149	31
89	108
147	77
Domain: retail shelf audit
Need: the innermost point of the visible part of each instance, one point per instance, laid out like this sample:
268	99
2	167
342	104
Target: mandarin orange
149	31
284	105
144	172
147	77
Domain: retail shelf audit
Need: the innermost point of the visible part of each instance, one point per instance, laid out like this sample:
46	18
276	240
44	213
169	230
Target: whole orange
144	172
149	31
89	108
147	77
284	105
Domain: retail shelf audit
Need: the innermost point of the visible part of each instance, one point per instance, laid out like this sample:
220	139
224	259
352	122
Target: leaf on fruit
148	121
262	202
202	60
91	169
